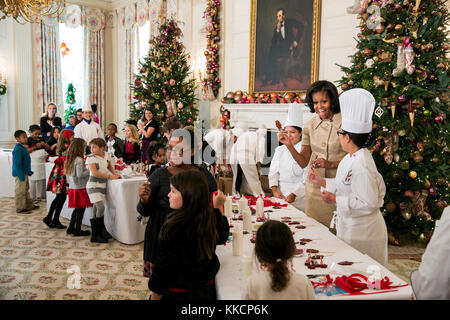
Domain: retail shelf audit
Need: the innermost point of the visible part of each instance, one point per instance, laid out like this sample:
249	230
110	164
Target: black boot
96	235
79	221
73	218
105	234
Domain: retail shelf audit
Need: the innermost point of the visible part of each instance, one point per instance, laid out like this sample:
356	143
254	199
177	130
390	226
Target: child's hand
113	176
144	192
117	175
328	197
316	178
218	199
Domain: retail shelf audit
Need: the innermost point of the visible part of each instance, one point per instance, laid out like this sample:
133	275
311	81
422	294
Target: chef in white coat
432	280
286	177
358	189
246	157
88	129
221	141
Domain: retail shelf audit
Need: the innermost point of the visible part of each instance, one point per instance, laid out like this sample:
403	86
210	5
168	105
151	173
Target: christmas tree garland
211	82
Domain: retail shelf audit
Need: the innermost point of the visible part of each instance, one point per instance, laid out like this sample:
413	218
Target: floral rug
38	263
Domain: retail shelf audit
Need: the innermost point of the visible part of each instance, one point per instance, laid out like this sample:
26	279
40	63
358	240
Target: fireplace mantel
255	115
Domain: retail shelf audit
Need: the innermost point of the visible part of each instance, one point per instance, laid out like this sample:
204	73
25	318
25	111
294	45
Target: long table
120	210
7	184
232	276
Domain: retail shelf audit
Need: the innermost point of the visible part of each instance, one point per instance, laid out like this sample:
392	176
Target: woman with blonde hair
132	146
49	120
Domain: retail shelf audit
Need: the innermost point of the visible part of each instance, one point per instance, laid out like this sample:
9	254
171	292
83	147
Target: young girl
274	249
52	141
101	170
77	176
57	181
156	155
358	189
186	263
132	148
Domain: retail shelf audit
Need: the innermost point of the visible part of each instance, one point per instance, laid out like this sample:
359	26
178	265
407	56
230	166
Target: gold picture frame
272	67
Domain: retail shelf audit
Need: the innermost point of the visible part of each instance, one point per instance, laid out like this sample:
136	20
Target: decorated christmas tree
164	81
70	101
401	59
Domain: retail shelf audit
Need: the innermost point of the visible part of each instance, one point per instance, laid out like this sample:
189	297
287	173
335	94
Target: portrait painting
284	45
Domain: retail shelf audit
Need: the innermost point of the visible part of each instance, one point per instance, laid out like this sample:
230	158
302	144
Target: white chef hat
239	129
357	107
87	108
295	116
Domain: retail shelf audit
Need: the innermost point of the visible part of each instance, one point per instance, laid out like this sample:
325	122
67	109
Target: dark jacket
119	146
177	264
46	128
158	207
21	165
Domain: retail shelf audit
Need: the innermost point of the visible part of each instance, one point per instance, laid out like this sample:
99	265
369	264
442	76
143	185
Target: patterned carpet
34	261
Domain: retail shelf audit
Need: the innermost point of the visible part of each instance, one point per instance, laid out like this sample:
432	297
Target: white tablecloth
7	181
231	281
120	212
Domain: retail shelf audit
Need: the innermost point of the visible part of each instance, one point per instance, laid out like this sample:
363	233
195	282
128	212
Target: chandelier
30	10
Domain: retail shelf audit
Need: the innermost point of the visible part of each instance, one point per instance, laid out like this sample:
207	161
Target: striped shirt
96	187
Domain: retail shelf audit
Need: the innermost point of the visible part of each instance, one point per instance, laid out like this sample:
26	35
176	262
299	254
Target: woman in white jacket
358	189
286	177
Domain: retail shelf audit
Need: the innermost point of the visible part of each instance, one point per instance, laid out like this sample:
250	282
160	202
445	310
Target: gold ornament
392	107
406	215
412	174
411	118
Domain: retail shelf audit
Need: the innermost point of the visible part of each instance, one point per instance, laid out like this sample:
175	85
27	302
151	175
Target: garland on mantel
242	97
211	81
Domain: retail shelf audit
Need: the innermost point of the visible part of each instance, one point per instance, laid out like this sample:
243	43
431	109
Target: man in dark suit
285	44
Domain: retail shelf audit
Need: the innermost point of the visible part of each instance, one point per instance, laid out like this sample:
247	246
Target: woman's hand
328	197
321	163
315	178
144	192
112	177
290	198
282	137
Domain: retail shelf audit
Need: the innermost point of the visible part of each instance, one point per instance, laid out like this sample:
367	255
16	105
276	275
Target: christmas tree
401	59
70	101
164	81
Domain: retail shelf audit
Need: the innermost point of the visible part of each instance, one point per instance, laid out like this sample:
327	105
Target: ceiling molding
108	5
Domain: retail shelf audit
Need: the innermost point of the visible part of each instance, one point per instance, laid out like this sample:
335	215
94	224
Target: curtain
48	84
95	60
129	64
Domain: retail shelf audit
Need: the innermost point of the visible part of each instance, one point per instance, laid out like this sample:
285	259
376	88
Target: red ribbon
356	283
267	203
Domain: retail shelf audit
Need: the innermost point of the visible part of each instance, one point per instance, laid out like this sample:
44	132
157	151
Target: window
141	44
72	63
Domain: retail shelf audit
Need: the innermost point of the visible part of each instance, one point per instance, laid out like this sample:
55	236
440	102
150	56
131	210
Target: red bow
67	133
355	283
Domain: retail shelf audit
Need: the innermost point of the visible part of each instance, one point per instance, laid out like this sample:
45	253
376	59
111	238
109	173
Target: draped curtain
48	85
94	37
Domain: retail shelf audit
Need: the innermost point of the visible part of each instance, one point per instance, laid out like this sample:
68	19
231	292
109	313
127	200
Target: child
358	189
132	148
52	141
101	170
115	145
186	263
274	249
156	154
36	147
57	181
21	169
77	177
72	123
